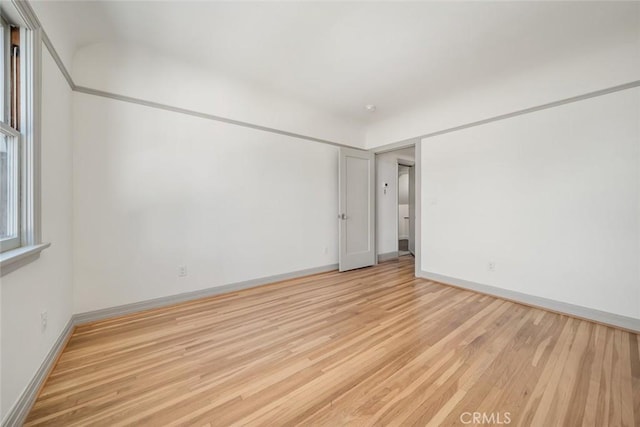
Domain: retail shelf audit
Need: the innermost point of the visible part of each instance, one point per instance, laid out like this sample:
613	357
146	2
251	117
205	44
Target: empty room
319	213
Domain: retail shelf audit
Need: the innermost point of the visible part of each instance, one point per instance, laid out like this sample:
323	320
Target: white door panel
356	215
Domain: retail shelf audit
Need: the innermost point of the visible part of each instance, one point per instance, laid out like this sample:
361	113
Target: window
20	240
10	140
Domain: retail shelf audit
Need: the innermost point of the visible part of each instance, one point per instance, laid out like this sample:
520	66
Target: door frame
412	164
417	143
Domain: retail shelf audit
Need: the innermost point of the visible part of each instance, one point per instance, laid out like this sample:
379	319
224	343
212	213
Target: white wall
609	66
552	197
142	73
387	204
46	284
156	189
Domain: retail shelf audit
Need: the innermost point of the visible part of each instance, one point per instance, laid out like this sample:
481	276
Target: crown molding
32	21
405	143
27	14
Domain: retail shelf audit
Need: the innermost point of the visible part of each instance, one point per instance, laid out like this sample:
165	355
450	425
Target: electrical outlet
43	321
326	250
182	270
491	266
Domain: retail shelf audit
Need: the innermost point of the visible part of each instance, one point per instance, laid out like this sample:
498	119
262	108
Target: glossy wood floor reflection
369	347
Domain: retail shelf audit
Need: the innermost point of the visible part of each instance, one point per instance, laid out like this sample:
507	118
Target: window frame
4	70
11	243
11	133
15	13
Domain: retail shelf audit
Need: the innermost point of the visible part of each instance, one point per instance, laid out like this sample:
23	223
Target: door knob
342	216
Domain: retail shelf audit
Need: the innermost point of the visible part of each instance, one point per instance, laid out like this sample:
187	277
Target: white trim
106	313
31	164
418	206
5	68
30	215
403	162
407	142
611	319
33	23
8	130
395	146
397	207
407	163
27	14
9	244
18	413
13	259
58	61
375	205
388	256
179	110
14	142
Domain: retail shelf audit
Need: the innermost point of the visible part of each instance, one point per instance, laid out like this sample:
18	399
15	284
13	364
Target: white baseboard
18	413
21	408
387	256
121	310
611	319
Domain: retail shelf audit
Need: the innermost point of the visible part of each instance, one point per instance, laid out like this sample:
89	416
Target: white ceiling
340	56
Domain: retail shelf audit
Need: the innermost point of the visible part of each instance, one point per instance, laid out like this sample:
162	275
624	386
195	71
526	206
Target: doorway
395	203
404	217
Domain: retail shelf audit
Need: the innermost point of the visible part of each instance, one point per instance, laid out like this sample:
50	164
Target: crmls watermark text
491	418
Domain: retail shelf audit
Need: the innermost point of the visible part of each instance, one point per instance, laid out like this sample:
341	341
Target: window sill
16	258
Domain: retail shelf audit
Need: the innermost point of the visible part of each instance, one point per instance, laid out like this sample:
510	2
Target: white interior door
357	209
412	210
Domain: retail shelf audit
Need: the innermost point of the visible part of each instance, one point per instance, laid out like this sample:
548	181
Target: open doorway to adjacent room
405	223
395	203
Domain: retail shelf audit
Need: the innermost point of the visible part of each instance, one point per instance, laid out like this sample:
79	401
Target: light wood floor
372	346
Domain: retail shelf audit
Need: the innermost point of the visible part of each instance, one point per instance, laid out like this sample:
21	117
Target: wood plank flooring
369	347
